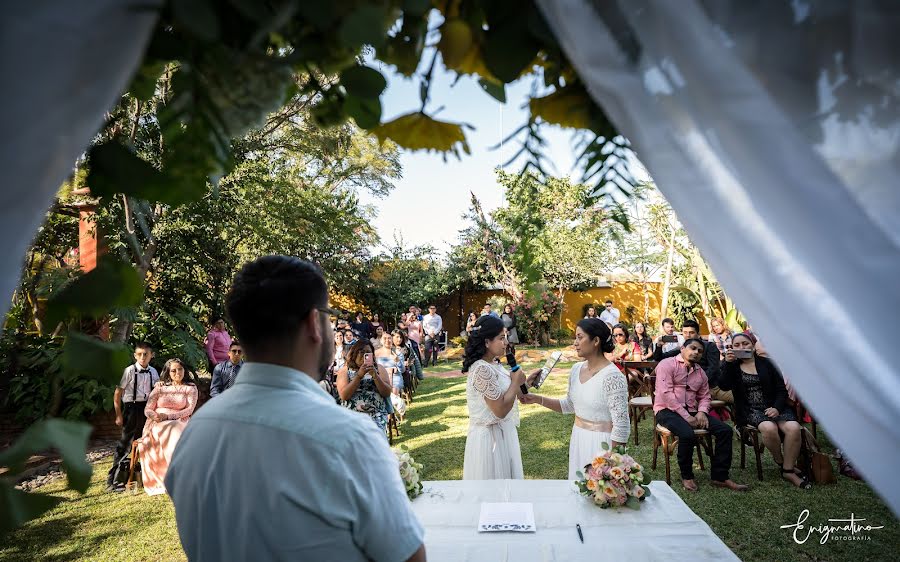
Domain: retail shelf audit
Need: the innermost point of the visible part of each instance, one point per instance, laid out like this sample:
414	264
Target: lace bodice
604	397
173	402
490	381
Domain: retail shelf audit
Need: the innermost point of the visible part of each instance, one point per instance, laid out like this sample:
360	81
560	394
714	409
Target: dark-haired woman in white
492	443
598	396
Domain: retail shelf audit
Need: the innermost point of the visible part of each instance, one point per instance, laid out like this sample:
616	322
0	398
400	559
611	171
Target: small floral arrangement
409	472
614	479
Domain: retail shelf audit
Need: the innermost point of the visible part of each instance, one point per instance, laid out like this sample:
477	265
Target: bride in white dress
598	396
492	444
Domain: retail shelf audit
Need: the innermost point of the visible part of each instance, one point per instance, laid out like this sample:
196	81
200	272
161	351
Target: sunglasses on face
237	351
619	335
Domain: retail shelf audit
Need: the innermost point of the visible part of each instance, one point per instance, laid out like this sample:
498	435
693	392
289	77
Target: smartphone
549	364
670	339
367	360
742	353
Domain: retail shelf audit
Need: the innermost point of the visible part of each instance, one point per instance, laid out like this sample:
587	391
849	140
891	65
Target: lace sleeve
484	381
566	405
616	389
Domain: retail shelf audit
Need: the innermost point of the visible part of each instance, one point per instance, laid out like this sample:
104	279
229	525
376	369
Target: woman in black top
760	400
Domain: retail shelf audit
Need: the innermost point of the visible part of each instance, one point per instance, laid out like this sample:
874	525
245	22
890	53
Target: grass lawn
102	526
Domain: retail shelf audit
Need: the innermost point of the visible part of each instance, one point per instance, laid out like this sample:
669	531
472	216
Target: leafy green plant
32	392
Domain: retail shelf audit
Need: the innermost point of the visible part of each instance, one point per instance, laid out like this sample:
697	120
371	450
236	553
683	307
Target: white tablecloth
664	528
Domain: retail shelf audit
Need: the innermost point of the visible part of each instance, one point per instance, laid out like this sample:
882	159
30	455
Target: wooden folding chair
663	437
751	433
392	428
135	453
640	386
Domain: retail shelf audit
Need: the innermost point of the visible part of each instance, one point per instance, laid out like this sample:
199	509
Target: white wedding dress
601	409
492	445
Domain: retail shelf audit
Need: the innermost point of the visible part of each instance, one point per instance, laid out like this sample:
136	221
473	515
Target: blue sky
427	205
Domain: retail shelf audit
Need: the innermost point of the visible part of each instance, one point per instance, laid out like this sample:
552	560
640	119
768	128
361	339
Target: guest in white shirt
610	315
433	326
273	469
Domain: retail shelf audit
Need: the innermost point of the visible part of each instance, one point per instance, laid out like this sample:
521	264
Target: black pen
580	536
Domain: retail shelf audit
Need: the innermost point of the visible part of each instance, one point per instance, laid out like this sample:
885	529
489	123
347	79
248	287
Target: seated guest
226	372
273	469
709	361
643	339
414	366
405	355
376	339
168	410
761	401
364	385
385	357
625	349
682	405
662	347
470	323
721	335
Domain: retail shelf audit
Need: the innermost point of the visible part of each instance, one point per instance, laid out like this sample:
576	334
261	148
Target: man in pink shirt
681	405
218	342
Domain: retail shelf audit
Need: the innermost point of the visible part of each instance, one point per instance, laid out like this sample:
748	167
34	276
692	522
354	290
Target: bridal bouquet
614	479
409	472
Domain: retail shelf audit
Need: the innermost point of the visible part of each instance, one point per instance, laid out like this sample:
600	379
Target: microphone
511	361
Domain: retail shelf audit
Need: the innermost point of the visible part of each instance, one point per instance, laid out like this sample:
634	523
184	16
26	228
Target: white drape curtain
773	129
64	64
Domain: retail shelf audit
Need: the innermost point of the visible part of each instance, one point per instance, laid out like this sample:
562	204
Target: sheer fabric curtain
64	64
773	129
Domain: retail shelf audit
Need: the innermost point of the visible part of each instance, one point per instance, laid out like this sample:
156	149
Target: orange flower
591	485
598	462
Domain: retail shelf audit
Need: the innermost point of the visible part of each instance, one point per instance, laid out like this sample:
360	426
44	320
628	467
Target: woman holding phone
363	385
760	400
598	396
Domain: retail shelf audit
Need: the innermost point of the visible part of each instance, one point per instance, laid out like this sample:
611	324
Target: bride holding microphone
598	396
492	444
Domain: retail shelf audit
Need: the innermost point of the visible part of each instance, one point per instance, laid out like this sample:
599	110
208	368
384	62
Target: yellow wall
623	295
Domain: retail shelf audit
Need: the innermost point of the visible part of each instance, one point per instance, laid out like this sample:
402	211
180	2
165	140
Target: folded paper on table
516	517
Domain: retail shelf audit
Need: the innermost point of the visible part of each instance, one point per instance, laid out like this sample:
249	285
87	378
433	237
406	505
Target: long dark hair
596	328
166	377
362	345
487	327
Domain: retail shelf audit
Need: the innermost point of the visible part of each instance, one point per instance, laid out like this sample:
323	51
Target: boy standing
137	381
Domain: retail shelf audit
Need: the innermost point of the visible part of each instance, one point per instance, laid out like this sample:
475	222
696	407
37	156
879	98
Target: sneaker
115	488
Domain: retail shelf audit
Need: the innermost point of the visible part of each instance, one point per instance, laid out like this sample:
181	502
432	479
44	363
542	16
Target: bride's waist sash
601	426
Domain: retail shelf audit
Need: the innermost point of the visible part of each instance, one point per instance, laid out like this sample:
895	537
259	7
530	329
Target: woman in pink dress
169	407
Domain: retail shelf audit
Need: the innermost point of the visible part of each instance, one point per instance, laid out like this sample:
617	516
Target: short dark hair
691	324
143	345
608	301
270	298
697	341
234	343
667	321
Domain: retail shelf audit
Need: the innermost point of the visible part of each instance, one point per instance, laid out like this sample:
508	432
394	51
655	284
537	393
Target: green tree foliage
404	276
214	71
550	231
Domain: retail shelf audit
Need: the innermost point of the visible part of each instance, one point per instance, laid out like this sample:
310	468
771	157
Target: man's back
274	469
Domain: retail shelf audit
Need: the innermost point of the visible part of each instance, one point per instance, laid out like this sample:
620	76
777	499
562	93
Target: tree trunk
704	298
668	277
